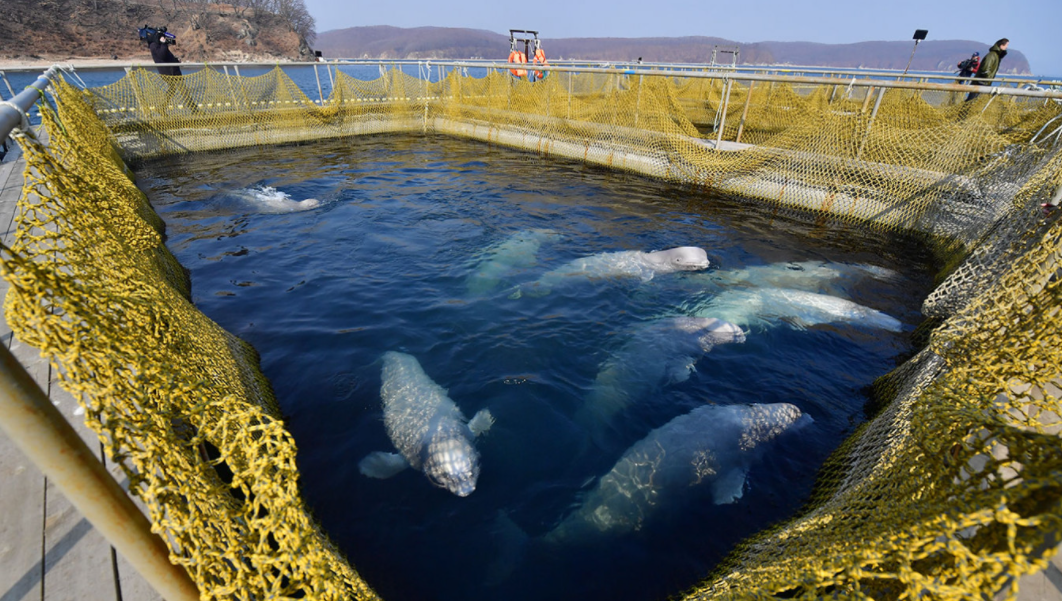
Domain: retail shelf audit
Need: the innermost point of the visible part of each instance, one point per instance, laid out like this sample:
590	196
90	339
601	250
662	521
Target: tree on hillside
298	19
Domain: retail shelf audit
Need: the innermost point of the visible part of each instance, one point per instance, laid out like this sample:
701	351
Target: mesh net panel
177	401
951	490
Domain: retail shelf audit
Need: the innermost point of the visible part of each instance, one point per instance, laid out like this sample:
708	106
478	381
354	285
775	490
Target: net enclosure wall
952	490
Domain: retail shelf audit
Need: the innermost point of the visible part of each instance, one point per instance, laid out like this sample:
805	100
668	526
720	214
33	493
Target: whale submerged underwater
660	352
518	251
710	448
428	429
707	452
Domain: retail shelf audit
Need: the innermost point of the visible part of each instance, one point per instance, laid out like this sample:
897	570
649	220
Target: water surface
380	261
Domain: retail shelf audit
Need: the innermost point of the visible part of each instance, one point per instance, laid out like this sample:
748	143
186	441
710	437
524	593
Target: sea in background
304	77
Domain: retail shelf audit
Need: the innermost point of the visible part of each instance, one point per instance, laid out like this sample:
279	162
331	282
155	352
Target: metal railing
848	79
41	432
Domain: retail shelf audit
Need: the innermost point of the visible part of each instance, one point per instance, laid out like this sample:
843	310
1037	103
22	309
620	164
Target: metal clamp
25	125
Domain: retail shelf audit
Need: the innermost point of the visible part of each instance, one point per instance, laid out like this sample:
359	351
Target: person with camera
159	44
969	66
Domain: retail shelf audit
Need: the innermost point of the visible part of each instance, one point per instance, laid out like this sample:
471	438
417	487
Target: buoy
518	57
540	59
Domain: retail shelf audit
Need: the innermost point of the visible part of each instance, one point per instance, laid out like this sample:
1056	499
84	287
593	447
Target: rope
25	124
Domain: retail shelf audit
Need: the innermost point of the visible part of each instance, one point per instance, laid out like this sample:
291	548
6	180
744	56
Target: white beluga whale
811	276
267	199
797	308
709	449
622	264
660	352
427	428
498	261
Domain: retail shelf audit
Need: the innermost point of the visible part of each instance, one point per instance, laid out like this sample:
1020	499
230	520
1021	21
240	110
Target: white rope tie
25	125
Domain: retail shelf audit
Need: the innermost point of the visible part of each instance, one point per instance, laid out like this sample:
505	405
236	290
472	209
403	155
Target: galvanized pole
317	74
866	101
744	112
7	83
638	104
870	123
10	116
232	91
722	119
569	94
40	431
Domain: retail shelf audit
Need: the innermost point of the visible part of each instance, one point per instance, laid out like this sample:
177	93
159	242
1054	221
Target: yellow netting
178	402
949	492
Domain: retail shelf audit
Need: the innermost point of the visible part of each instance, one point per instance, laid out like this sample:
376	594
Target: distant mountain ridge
384	41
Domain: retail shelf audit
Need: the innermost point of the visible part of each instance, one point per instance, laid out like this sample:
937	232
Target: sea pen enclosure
948	488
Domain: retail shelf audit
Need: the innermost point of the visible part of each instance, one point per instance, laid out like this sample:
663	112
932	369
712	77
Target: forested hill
206	31
456	43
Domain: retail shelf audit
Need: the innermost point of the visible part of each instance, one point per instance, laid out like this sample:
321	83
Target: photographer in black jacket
159	44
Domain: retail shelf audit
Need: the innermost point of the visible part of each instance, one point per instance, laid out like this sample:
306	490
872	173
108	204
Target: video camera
149	33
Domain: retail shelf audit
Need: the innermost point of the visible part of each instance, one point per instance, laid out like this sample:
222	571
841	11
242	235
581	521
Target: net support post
722	118
8	84
232	90
870	122
744	112
320	92
42	433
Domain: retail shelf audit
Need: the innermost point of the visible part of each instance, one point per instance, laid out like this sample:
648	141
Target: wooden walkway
49	552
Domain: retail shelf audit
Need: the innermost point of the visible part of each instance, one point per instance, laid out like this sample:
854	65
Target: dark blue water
382	264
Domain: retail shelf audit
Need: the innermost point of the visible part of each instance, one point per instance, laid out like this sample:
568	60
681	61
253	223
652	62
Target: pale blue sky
1033	26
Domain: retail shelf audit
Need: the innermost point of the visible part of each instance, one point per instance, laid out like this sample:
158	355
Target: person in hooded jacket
986	72
159	45
969	66
160	53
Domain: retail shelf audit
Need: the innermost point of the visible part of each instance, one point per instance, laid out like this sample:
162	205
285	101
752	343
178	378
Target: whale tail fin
382	465
481	422
511	545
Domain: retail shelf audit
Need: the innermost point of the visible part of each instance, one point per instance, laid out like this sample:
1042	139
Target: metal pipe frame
42	433
685	68
11	117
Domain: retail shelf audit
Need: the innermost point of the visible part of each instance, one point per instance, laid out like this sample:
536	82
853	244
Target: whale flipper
382	465
481	422
729	488
680	370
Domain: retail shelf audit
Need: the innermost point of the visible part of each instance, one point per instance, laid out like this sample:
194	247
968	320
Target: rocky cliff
58	30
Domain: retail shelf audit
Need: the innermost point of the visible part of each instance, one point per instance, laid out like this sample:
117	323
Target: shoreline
42	62
47	60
